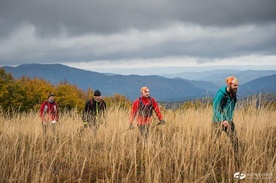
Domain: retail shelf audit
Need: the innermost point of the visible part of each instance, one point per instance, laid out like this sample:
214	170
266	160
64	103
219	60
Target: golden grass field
180	151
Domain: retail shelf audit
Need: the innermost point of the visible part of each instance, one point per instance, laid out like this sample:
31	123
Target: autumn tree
35	91
25	94
119	101
69	96
11	94
89	94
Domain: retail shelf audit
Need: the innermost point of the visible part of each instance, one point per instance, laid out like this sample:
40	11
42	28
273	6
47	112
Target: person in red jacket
49	112
142	110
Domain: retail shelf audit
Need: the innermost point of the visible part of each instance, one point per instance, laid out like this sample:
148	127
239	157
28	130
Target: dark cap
97	93
51	94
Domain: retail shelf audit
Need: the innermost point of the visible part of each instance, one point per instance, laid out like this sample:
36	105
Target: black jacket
93	109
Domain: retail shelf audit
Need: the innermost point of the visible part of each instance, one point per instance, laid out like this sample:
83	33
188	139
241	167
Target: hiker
94	111
143	108
223	111
49	113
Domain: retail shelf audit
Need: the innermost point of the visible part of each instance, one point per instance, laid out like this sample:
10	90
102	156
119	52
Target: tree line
26	94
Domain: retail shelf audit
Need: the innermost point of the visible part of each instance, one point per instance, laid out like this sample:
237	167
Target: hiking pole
159	123
125	131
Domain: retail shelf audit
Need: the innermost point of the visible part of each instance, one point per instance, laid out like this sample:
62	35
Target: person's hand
225	124
162	122
131	127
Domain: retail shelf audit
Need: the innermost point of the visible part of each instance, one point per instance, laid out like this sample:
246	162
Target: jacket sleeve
41	110
103	108
157	109
217	113
85	111
104	105
134	110
57	112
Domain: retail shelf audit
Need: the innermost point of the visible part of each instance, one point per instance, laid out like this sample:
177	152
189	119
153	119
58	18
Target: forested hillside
162	88
26	94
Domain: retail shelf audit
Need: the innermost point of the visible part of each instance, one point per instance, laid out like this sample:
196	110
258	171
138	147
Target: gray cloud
87	30
109	16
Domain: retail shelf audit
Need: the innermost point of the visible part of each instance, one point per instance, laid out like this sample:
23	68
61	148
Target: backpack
145	110
47	104
91	110
92	102
224	101
52	111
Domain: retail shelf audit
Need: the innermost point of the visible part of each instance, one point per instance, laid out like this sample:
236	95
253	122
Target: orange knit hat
231	80
144	89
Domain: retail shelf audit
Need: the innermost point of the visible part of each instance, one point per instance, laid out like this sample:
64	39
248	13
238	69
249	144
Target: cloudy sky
125	36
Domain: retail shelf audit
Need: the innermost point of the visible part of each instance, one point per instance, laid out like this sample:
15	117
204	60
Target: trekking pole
124	131
159	123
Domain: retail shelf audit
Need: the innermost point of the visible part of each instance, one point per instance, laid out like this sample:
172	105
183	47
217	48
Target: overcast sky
123	35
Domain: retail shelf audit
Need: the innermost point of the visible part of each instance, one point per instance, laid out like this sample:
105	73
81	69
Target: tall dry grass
180	151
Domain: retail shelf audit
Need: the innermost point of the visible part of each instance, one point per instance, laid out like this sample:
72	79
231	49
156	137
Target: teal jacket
227	112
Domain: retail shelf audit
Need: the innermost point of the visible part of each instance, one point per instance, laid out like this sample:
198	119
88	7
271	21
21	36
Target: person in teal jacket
223	110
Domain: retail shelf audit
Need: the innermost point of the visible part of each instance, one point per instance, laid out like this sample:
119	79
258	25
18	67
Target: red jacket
48	111
144	119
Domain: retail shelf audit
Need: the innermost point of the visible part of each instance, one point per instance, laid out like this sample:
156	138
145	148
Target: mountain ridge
162	88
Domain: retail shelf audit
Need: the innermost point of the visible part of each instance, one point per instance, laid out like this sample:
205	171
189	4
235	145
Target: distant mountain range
216	76
162	88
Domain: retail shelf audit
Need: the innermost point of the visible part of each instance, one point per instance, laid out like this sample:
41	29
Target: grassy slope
180	151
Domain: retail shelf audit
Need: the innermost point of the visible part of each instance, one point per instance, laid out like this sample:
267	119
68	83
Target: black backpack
224	101
90	107
145	110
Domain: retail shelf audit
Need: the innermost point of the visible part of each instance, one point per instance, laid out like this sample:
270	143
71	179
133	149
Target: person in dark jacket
94	111
48	113
223	111
142	110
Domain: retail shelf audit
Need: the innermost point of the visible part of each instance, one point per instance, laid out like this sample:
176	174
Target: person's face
233	88
145	93
97	98
51	98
